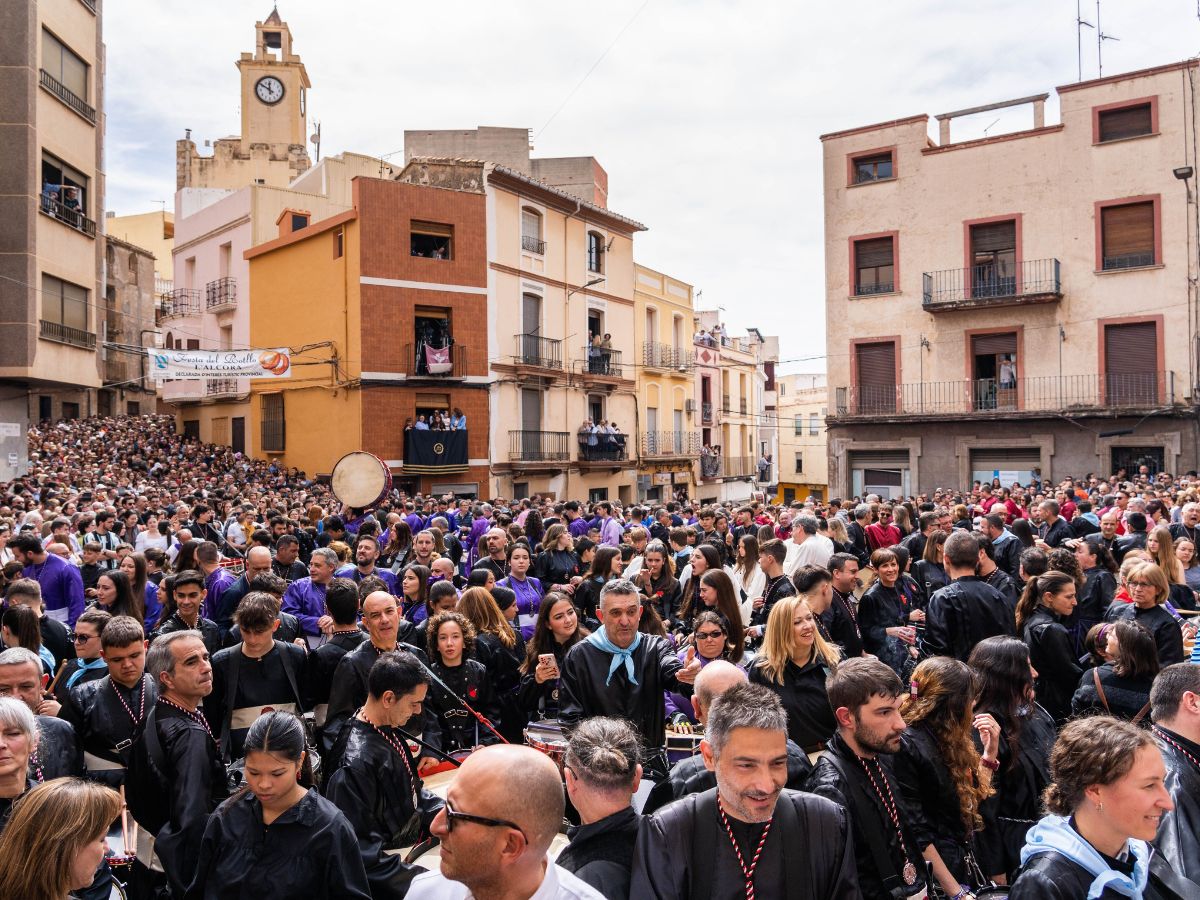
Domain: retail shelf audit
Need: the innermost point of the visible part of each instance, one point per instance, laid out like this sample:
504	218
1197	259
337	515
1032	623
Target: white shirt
813	552
559	884
754	588
146	540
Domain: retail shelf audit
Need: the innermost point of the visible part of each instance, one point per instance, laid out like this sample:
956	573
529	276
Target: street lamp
584	286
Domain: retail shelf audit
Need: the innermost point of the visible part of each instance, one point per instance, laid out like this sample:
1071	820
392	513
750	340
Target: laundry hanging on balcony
437	360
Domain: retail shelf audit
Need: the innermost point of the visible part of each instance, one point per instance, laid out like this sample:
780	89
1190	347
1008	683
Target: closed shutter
993	237
876	377
531	224
1128	235
1128	122
994	344
1130	363
875	252
273	423
1011	458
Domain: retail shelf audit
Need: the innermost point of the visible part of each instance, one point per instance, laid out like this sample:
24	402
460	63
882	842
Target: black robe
542	700
1126	696
210	632
323	661
1051	876
810	718
369	782
684	852
262	683
460	729
308	853
585	689
962	614
691	776
842	624
503	666
103	726
601	853
879	609
840	777
1168	636
1052	654
62	693
58	752
1179	831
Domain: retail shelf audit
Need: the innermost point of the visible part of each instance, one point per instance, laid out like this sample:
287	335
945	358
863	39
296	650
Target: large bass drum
361	480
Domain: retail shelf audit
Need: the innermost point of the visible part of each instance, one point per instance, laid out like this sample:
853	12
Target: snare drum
361	480
546	736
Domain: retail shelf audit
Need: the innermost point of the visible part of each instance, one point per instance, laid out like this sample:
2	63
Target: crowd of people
219	683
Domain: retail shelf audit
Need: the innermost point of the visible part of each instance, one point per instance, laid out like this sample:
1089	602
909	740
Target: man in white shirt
807	547
502	811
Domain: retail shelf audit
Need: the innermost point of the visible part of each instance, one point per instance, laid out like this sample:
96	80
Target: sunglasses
453	815
709	635
78	638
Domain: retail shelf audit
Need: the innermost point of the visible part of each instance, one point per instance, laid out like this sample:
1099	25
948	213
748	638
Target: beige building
668	431
1017	305
51	248
803	448
561	339
128	328
154	232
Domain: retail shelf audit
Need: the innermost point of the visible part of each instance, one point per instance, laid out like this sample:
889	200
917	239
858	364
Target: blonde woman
1148	587
794	662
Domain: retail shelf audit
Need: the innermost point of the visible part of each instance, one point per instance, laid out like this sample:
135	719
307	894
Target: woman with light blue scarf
1105	804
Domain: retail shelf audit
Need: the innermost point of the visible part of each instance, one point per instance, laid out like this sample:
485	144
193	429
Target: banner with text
220	363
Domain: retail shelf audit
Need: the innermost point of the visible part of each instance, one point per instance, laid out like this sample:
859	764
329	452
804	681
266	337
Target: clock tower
271	148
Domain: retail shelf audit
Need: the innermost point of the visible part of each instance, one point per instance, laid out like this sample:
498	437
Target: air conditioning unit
689	406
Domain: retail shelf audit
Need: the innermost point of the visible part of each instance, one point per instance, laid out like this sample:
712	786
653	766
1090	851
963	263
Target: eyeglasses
453	815
78	638
709	635
1138	584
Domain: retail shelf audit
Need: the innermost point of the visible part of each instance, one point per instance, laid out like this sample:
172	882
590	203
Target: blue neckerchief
599	638
1055	834
83	667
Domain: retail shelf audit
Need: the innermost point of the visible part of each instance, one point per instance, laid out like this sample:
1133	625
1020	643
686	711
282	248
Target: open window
994	370
431	240
433	341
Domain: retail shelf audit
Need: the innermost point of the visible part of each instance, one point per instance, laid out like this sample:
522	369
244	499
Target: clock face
269	90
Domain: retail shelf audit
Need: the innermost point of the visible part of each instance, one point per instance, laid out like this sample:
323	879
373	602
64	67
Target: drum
361	480
546	736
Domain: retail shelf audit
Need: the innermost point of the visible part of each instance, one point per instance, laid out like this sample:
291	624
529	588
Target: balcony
658	355
162	285
713	467
1033	281
539	446
602	362
216	388
65	334
533	350
1048	395
70	216
439	364
596	450
220	295
665	444
532	245
67	96
706	413
180	302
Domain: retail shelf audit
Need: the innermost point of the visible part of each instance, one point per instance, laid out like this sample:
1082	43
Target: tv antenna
1080	22
1101	37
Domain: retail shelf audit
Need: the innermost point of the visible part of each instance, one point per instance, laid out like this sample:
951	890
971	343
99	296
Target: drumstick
124	822
57	675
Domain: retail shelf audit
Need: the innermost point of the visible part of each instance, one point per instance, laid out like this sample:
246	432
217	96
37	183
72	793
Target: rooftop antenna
989	128
315	137
1101	37
1080	22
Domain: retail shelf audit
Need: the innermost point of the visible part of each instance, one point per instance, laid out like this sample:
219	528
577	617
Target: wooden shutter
994	236
1131	363
876	377
1128	231
875	252
1128	122
989	344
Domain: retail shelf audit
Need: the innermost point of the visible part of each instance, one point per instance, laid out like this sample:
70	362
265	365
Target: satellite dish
314	138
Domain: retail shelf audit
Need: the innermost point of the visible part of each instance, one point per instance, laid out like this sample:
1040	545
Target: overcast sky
706	113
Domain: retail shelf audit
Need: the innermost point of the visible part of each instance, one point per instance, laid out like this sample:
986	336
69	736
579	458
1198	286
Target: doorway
994	371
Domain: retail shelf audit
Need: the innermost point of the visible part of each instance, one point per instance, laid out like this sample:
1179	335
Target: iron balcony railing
68	215
67	96
539	446
603	447
534	350
665	356
1048	393
670	443
181	302
449	362
221	386
727	466
977	285
532	244
65	334
602	361
221	293
90	4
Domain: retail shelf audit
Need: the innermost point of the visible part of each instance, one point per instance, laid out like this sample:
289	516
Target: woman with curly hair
451	645
501	650
943	779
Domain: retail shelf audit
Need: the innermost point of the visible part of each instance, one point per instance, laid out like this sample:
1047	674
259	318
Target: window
339	245
434	344
876	167
595	252
874	266
994	259
65	67
875	365
273	424
799	425
1131	363
531	231
431	240
133	408
64	303
814	424
225	259
799	462
299	220
1127	235
65	193
1123	122
70	410
133	268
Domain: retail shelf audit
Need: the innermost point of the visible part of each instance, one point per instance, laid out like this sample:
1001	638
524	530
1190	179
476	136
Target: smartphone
546	659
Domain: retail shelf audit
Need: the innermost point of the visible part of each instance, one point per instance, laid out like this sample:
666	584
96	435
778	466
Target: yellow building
803	463
668	439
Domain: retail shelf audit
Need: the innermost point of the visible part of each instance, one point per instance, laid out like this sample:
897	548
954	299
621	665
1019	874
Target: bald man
502	811
689	776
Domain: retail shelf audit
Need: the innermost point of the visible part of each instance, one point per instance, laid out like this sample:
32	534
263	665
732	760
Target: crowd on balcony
63	202
601	440
438	421
600	354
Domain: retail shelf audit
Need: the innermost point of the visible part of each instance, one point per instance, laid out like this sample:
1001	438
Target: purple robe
306	601
216	584
353	574
479	526
529	599
62	588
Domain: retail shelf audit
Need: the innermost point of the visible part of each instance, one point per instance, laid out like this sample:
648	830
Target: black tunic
104	727
210	632
929	794
503	666
371	784
879	609
262	684
842	623
1168	636
460	729
554	567
309	853
691	776
55	639
585	689
323	661
810	719
1126	696
1099	588
1051	876
840	777
542	700
62	693
1052	654
683	851
962	614
930	577
58	752
1179	830
775	590
601	853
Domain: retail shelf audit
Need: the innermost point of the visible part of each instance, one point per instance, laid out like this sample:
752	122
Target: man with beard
748	836
286	563
496	542
855	772
341	601
365	555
